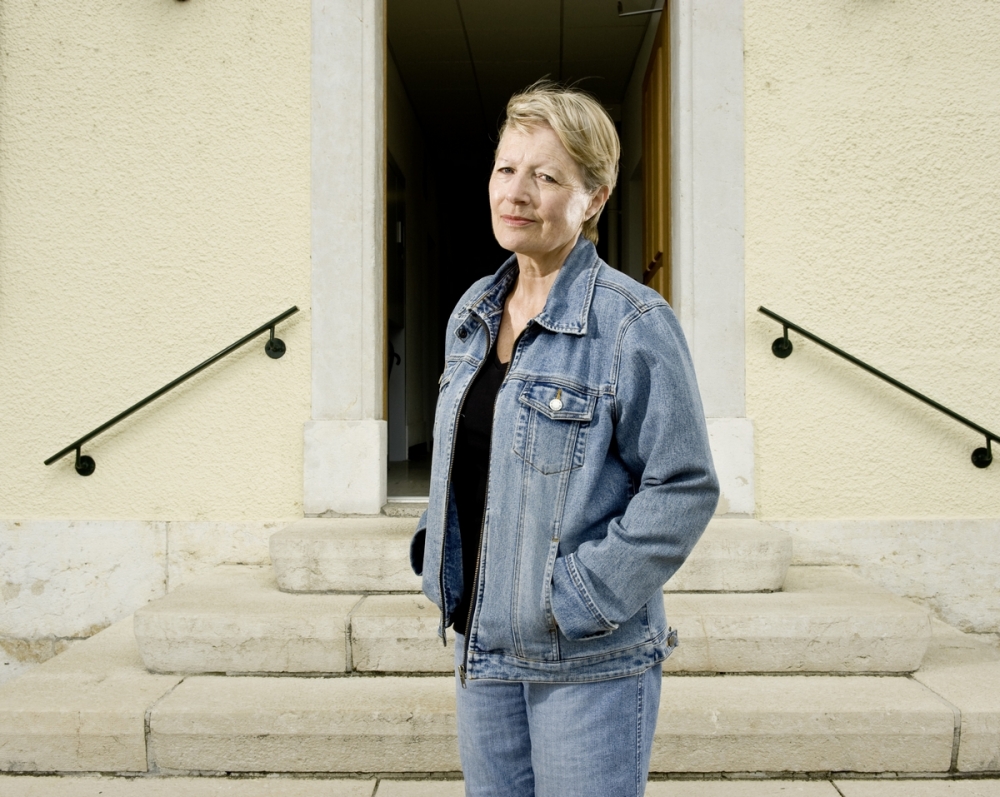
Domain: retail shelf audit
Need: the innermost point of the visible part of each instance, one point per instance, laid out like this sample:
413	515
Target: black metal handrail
782	347
274	348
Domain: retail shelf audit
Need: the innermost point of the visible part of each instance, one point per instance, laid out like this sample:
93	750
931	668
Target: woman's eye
505	170
545	178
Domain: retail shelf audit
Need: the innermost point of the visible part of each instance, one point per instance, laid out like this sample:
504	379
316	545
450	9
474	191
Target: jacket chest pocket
552	425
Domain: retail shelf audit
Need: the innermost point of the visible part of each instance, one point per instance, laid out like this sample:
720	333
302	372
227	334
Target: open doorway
451	67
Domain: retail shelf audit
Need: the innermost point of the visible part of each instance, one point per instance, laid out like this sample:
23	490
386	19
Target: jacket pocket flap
558	402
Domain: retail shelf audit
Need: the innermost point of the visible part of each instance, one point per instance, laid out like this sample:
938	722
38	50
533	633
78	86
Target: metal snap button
555	405
462	333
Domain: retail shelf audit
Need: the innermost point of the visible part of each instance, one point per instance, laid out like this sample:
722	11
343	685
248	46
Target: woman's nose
517	191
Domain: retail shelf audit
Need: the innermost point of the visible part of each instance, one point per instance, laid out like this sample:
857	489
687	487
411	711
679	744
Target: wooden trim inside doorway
656	163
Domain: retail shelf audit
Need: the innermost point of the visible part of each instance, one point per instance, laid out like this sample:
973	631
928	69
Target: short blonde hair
583	126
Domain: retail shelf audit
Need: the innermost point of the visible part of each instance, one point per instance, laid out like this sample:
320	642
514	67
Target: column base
345	467
731	440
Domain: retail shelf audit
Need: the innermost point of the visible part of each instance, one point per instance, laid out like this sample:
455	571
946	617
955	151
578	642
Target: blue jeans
536	739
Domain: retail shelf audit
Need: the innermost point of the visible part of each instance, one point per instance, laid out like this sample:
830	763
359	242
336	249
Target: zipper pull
461	674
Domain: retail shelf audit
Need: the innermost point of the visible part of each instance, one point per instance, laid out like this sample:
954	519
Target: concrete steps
393	724
370	554
379	703
237	621
99	710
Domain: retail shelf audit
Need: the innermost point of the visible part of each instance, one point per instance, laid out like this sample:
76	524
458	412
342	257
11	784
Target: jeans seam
638	734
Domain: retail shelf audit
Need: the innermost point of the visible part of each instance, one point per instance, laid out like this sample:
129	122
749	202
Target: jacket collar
568	305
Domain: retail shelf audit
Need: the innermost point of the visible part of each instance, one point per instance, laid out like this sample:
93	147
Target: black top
470	474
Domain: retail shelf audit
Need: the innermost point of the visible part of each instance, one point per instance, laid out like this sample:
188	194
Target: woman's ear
597	201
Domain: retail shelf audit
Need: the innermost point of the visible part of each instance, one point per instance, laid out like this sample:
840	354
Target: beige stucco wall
154	207
872	174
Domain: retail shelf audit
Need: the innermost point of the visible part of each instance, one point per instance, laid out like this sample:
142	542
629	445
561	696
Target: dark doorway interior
455	63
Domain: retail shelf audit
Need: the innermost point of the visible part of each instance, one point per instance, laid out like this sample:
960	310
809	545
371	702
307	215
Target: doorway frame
707	227
345	443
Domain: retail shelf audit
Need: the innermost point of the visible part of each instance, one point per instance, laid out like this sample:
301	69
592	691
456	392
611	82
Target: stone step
237	621
371	554
967	673
95	709
82	711
397	724
817	628
358	554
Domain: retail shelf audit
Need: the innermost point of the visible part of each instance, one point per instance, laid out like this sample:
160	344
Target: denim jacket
601	479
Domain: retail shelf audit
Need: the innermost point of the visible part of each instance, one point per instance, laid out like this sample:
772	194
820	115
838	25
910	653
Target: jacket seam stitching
582	589
630	297
617	359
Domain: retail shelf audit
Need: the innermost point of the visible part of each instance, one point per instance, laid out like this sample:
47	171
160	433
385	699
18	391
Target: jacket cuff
575	612
417	546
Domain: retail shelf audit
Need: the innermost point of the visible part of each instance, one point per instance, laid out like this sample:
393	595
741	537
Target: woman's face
537	197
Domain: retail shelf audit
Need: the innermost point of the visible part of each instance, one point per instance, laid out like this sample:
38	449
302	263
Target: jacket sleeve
417	545
663	441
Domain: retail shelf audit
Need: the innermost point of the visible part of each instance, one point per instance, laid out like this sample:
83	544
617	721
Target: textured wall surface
63	580
872	174
154	207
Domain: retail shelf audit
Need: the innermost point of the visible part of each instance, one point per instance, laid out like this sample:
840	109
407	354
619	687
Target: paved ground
30	786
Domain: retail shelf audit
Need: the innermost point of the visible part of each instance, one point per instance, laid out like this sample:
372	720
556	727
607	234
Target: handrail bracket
84	465
782	347
982	457
275	347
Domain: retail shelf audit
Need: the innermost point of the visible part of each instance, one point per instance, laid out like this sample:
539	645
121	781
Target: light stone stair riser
713	725
213	723
366	554
801	724
236	621
730	723
798	632
774	633
968	675
83	711
371	554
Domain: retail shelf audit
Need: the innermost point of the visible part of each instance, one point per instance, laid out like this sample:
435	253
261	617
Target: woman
571	477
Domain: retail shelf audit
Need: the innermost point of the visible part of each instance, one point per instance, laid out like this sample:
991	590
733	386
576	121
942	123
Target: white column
345	442
707	160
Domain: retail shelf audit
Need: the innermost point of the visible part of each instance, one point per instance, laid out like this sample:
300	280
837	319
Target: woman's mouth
516	221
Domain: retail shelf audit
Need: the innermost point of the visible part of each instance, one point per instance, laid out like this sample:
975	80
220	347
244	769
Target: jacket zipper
486	503
451	463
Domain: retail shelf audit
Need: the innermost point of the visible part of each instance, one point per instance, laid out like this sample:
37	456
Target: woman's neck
531	291
540	265
536	275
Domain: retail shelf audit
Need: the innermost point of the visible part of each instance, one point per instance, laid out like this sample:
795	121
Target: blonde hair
583	126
